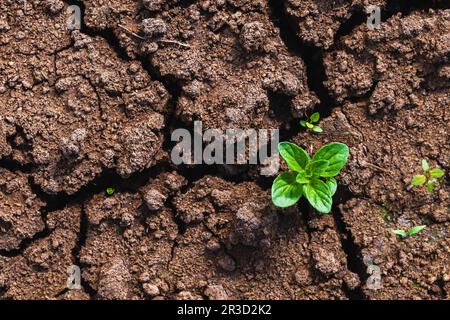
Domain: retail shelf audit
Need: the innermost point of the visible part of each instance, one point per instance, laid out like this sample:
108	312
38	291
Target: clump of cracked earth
83	110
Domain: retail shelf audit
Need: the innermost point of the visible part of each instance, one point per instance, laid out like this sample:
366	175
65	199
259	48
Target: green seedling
386	215
309	123
415	285
409	232
313	178
430	177
110	191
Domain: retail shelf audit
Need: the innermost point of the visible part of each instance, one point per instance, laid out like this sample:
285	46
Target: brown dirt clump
317	21
132	252
227	57
81	110
40	272
20	210
394	64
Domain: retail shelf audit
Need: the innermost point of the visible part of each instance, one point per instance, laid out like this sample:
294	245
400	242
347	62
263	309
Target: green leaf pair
313	178
409	232
430	177
309	123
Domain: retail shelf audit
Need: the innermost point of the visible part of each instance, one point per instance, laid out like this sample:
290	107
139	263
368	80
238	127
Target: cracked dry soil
88	109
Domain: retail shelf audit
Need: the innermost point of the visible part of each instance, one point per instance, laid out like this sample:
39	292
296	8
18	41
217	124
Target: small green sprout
430	177
313	178
110	191
415	285
386	215
309	123
409	232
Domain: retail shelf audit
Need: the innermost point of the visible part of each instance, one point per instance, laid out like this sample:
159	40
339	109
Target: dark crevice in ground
14	166
24	244
107	34
312	57
174	88
352	251
346	28
192	172
82	236
279	109
441	284
406	7
108	178
305	211
315	68
182	226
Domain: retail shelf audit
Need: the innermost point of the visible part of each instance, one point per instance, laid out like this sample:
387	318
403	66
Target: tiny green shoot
415	285
409	232
309	123
110	191
430	177
313	178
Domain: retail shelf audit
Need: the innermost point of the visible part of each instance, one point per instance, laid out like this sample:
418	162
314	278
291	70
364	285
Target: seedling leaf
315	117
336	154
110	191
401	233
415	230
317	129
425	165
295	157
301	177
332	185
318	195
430	186
437	173
285	190
303	123
316	168
418	180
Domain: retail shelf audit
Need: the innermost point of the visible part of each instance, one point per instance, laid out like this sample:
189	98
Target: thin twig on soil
368	164
131	32
175	42
181	44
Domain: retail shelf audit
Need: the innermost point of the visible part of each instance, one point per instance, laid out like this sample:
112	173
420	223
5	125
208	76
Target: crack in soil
407	7
312	57
25	243
357	18
352	251
315	68
15	166
107	34
82	236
